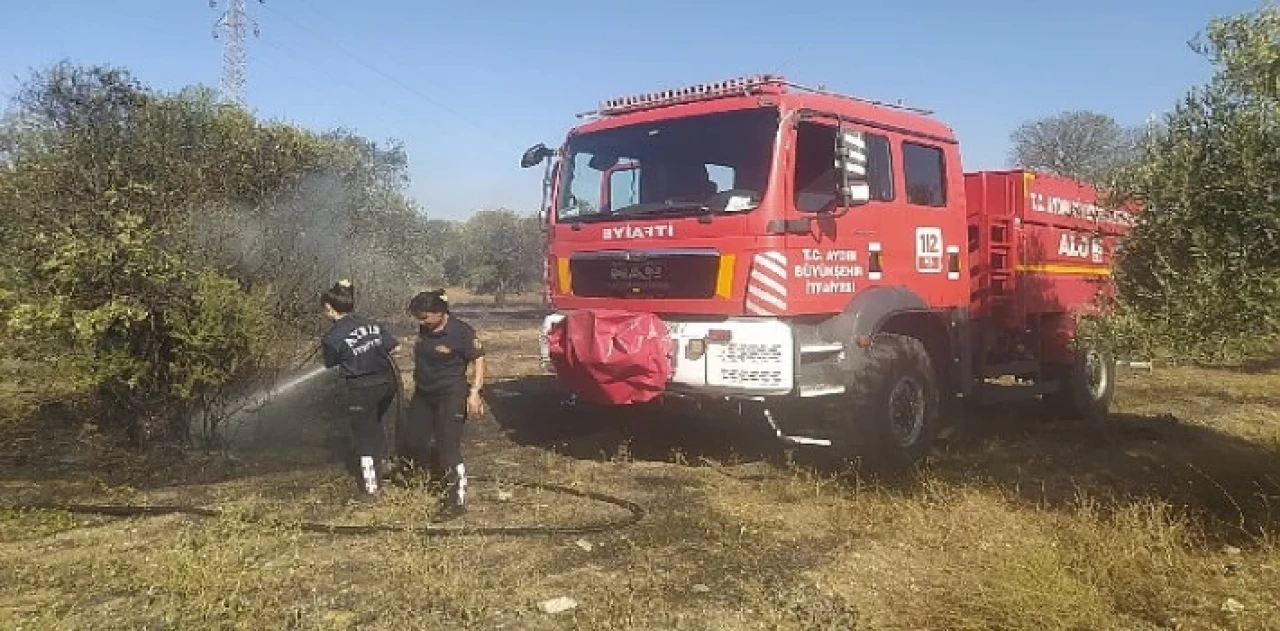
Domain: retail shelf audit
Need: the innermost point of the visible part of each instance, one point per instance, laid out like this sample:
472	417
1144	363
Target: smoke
295	244
301	242
296	236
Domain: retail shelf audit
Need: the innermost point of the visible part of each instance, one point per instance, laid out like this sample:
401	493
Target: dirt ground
1163	518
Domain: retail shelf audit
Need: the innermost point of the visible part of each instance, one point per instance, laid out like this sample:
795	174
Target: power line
487	128
294	76
331	79
236	22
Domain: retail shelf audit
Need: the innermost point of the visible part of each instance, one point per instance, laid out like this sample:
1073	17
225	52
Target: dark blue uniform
361	348
440	358
438	410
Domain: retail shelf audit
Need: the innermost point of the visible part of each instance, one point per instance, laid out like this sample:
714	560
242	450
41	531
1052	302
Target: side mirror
535	155
852	186
603	162
544	209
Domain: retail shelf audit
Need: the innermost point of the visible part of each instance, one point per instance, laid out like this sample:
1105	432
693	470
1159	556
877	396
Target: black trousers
433	430
364	405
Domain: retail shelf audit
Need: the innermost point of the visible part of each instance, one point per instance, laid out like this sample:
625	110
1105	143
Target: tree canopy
1200	273
161	246
1083	145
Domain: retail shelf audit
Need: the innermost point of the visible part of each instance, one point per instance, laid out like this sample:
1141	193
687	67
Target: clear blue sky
469	85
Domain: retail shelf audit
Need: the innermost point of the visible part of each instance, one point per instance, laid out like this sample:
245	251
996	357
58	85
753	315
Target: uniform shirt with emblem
360	347
440	358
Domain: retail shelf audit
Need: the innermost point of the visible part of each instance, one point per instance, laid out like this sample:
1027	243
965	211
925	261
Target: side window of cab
814	177
925	170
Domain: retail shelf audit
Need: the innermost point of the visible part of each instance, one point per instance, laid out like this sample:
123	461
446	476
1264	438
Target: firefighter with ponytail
361	350
443	400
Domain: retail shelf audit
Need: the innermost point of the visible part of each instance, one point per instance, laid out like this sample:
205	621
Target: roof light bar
702	91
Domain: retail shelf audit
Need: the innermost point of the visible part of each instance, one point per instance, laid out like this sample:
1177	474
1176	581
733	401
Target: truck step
1019	367
792	438
820	390
992	393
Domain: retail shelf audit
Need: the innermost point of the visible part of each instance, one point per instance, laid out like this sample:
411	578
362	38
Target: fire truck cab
823	260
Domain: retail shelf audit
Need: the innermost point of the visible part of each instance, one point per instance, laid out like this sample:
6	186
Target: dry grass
1161	519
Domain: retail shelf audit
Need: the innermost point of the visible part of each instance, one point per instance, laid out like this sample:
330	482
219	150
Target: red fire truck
820	259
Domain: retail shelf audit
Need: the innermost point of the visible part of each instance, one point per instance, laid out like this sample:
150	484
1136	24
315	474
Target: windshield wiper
641	210
662	208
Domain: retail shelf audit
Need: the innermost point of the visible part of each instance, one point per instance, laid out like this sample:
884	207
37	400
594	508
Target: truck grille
683	274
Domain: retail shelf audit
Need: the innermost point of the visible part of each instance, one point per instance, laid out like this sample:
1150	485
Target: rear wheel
1088	385
895	402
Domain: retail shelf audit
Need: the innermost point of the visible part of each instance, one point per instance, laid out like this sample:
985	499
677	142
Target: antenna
236	22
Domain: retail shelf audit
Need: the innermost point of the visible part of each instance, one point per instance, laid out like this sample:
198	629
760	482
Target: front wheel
895	402
1087	385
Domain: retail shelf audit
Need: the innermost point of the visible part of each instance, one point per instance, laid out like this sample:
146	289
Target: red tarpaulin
610	356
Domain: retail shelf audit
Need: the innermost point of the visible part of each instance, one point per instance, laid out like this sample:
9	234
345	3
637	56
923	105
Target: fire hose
634	510
635	514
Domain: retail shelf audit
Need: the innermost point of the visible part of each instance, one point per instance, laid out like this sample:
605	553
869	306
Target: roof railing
823	91
739	86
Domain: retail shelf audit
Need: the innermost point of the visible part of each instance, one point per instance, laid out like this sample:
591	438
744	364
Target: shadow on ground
532	412
1229	484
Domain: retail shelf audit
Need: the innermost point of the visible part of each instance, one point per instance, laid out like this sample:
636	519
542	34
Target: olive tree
1199	275
164	246
1081	145
501	252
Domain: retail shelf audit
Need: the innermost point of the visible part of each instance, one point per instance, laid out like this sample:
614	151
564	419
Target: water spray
247	405
255	402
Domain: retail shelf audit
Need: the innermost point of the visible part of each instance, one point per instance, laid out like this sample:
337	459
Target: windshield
714	163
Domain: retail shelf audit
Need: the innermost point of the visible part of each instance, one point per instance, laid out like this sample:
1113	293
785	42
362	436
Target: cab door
831	261
925	237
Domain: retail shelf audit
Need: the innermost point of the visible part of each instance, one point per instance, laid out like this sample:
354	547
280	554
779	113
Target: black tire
1088	385
898	372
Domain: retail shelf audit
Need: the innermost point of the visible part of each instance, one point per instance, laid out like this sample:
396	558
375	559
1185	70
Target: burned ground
1164	517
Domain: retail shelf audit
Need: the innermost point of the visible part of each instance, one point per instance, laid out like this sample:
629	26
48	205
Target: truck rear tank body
824	260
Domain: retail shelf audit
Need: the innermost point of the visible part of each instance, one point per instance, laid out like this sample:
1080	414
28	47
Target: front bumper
757	356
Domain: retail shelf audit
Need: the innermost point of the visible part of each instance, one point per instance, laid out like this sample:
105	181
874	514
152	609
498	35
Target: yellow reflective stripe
1090	270
724	276
562	274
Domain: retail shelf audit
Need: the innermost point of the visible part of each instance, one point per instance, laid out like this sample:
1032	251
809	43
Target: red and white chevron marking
767	284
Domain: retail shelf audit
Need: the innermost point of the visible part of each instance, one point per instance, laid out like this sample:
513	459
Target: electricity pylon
237	24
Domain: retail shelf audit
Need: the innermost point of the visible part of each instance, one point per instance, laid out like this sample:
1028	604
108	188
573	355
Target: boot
454	502
369	486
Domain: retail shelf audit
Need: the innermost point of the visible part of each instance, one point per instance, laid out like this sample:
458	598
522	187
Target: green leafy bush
163	246
1199	276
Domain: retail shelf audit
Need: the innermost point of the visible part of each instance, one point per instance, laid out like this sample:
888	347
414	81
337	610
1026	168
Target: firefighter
361	349
442	399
